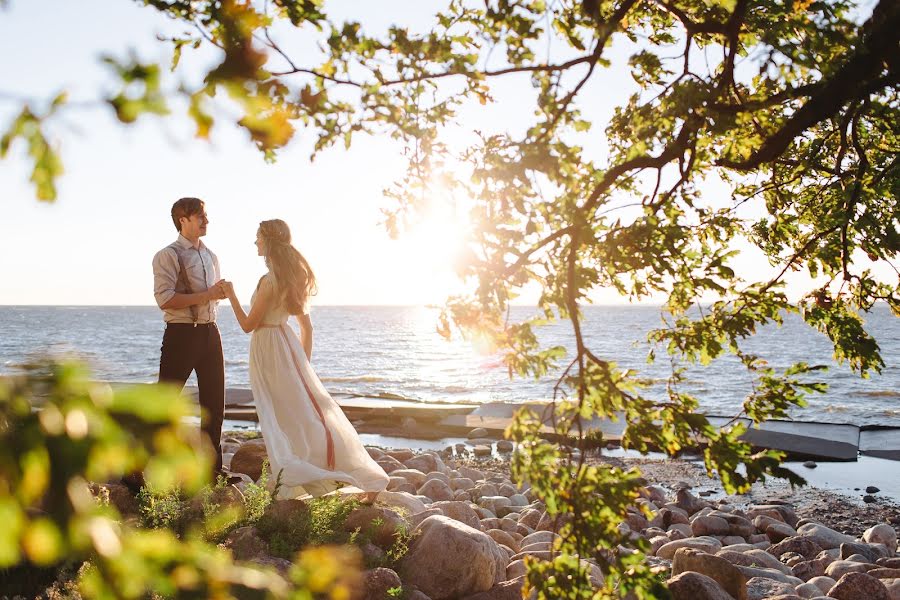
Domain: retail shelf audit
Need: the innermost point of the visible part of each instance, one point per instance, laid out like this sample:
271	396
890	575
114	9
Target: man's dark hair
185	207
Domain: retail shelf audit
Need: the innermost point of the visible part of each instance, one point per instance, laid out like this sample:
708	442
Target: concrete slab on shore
800	440
882	443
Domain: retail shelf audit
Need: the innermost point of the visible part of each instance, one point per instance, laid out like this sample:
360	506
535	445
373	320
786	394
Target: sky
95	243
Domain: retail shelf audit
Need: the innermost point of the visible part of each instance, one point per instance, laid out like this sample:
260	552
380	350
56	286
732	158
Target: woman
307	436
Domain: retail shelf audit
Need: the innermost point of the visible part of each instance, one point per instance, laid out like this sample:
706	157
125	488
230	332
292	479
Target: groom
187	287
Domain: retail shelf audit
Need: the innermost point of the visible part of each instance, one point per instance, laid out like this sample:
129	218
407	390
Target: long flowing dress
308	438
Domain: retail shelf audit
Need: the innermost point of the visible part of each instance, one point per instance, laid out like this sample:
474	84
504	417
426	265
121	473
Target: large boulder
119	497
825	537
858	586
881	534
766	573
502	537
872	552
760	588
823	583
403	500
377	523
508	590
696	586
806	546
459	511
249	459
245	543
709	525
286	510
703	544
427	463
726	575
893	588
377	582
839	568
413	476
808	569
436	490
448	559
784	513
689	502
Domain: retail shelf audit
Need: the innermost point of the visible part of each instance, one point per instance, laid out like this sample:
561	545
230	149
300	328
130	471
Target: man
187	288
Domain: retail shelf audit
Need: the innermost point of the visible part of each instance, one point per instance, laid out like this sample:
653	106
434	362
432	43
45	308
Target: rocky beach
468	529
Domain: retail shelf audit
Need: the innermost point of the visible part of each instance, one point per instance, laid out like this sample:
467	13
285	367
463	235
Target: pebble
752	537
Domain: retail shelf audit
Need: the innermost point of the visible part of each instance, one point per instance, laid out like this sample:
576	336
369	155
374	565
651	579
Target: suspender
183	280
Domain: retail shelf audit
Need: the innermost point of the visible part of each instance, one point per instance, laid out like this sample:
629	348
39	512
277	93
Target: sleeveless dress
307	436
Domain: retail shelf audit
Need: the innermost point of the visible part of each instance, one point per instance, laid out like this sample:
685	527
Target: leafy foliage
791	105
57	432
317	526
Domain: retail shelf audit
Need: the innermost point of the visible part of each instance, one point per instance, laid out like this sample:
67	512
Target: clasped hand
222	289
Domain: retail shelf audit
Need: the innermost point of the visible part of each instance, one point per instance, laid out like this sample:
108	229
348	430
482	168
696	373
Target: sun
433	248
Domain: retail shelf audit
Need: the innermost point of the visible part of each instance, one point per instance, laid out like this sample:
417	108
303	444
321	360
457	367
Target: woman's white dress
307	436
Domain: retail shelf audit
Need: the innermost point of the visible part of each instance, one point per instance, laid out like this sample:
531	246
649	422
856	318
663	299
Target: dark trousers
187	348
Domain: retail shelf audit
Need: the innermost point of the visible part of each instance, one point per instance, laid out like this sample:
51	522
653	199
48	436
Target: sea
395	353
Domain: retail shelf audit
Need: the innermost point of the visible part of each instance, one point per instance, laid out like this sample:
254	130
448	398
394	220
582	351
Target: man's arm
185	300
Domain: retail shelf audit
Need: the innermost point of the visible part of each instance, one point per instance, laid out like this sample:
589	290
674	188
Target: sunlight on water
396	352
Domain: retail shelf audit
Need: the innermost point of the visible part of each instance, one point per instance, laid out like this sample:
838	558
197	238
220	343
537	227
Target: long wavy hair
293	275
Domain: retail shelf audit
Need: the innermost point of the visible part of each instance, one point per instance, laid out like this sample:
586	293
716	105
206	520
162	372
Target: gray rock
825	537
872	552
766	560
766	573
760	588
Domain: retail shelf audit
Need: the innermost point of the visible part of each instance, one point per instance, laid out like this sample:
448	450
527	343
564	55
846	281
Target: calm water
395	352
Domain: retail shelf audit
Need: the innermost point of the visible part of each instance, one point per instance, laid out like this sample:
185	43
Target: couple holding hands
308	439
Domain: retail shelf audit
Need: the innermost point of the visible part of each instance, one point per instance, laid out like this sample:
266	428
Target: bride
308	438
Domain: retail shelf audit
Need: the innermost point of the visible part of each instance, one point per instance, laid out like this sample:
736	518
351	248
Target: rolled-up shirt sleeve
165	274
